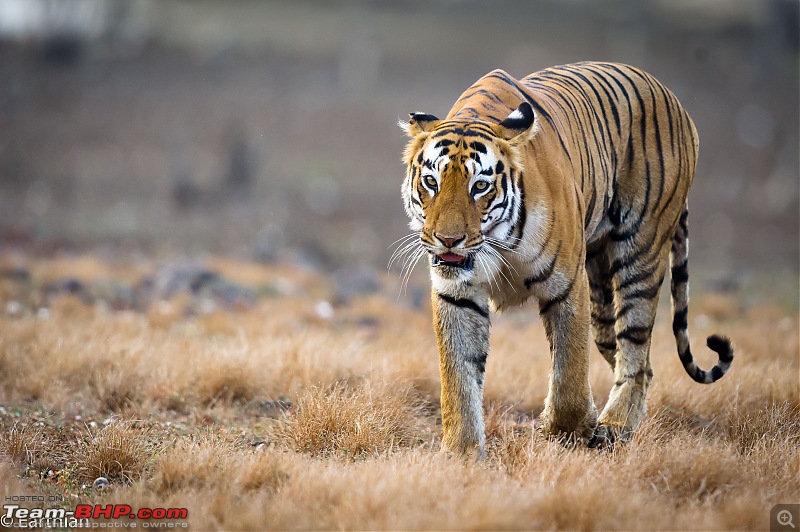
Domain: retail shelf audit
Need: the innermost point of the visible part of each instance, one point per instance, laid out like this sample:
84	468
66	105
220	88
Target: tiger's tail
679	287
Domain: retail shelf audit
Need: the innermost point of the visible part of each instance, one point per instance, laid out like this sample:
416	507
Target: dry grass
274	416
209	464
366	421
21	443
117	452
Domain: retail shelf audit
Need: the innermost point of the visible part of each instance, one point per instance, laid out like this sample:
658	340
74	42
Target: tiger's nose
450	241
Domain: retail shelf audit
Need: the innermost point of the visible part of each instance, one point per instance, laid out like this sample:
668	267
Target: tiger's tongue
451	257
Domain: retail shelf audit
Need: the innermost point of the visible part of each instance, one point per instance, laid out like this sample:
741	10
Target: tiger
568	186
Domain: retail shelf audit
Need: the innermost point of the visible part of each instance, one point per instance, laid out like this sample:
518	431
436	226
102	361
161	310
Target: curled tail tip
722	346
719	344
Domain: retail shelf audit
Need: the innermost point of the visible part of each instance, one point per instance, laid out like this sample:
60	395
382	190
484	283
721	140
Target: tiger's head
461	190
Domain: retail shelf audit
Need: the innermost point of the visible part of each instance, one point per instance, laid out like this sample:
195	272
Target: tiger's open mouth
453	260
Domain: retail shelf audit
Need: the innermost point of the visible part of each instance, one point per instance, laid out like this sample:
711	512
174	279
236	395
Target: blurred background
268	129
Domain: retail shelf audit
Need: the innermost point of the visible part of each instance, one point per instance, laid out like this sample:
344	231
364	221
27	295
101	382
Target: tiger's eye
480	186
431	181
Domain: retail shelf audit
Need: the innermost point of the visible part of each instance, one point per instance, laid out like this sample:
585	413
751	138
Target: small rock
324	310
18	275
193	280
13	308
68	286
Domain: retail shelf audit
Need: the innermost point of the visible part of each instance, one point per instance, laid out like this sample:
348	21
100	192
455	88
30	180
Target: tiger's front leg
569	407
461	323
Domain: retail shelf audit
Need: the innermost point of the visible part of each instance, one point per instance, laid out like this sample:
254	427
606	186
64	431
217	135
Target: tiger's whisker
401	251
403	238
409	269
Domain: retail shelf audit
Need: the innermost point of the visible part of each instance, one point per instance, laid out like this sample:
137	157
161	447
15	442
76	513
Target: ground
255	397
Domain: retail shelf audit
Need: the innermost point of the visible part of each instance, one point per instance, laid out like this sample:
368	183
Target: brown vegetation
278	415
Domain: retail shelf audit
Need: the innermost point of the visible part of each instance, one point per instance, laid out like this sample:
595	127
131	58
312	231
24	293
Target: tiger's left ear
520	125
418	123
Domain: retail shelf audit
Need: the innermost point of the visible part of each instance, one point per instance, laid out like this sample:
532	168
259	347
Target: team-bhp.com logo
85	516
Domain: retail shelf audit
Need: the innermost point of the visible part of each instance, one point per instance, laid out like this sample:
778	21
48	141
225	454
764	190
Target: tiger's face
462	192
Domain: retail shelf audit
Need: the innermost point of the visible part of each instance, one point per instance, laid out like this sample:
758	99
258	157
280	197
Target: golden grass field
281	413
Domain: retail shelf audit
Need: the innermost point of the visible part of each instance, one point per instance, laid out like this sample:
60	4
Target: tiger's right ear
418	123
520	125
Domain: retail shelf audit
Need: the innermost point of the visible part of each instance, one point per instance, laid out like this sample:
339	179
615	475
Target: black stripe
479	361
580	213
519	226
465	303
636	335
628	234
624	309
597	298
679	321
603	320
640	276
646	293
482	92
622	263
668	110
605	291
680	273
590	208
547	272
683	222
681	157
443	143
608	346
548	304
594	252
478	146
659	147
460	131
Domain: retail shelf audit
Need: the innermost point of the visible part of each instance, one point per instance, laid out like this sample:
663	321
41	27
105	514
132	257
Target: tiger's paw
474	454
570	427
607	435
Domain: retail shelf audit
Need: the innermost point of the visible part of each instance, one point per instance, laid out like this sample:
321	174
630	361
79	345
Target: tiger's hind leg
602	300
637	273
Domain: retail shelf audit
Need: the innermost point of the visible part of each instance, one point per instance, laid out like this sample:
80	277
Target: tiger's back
624	135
